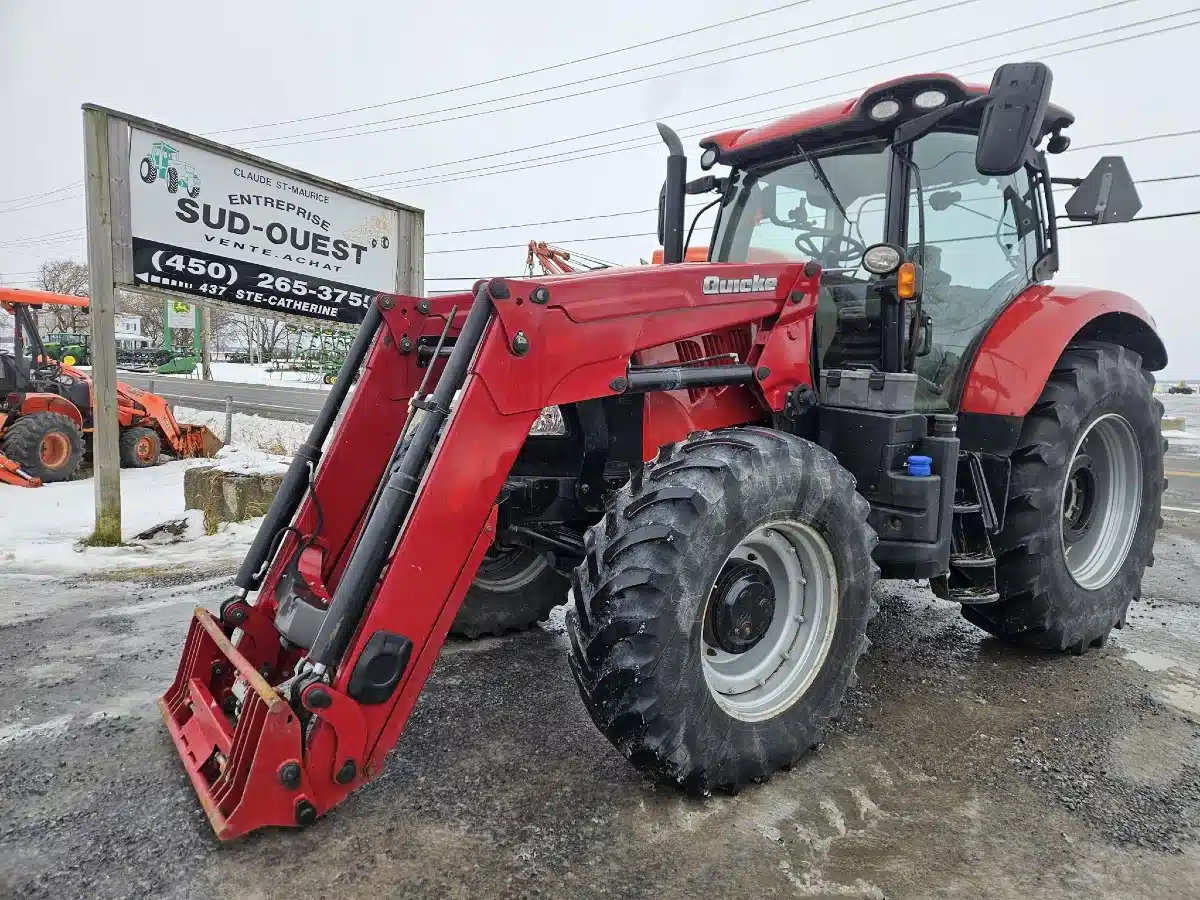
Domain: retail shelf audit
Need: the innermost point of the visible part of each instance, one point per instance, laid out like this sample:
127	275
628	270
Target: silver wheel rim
503	573
1101	501
769	678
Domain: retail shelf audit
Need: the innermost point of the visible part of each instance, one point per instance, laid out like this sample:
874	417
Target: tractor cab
901	174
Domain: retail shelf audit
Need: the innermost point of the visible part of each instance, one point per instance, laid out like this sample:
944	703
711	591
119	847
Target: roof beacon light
884	110
929	99
708	158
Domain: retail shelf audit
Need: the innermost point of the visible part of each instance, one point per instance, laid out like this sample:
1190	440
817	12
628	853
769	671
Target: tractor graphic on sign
161	163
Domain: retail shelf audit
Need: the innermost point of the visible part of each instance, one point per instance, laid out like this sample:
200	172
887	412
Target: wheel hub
1079	503
743	606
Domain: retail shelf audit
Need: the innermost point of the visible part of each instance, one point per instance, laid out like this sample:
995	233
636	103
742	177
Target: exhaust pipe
674	193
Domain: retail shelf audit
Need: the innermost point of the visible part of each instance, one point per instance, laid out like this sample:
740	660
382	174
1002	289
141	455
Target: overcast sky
210	66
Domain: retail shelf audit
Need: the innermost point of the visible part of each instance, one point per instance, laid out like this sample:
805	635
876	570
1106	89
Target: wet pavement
958	768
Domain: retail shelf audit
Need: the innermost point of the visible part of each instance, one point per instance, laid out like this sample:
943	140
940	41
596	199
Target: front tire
722	607
1084	504
139	447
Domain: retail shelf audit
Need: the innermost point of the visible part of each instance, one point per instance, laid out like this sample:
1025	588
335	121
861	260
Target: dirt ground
959	768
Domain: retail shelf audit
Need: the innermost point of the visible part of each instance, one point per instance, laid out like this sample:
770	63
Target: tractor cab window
829	209
982	238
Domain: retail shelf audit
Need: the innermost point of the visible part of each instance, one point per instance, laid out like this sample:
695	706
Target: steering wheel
807	244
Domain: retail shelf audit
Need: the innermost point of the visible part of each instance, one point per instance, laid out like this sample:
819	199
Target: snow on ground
247	461
259	373
40	528
252	432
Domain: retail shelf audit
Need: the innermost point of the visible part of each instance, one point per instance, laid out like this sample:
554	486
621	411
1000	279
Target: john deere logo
160	162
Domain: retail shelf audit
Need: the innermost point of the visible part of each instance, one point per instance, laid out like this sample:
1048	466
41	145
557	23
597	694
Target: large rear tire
46	445
722	607
512	591
1084	504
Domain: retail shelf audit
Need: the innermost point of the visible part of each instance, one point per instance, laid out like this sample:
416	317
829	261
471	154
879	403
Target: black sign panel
258	288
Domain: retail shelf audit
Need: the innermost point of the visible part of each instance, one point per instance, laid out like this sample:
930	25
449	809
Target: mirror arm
1071	182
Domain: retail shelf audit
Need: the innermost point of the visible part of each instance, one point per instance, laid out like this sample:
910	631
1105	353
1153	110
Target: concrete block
228	496
1172	423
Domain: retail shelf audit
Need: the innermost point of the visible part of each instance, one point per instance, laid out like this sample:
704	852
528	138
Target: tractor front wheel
512	591
1083	504
140	447
46	445
722	607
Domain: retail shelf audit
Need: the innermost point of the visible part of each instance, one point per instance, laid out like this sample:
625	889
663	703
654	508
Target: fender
38	403
1024	342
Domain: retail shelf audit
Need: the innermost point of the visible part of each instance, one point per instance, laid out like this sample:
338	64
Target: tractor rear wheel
140	447
172	180
148	170
46	445
513	590
722	607
1083	504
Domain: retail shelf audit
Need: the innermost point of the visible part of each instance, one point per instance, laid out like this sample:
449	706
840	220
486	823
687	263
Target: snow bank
40	528
272	436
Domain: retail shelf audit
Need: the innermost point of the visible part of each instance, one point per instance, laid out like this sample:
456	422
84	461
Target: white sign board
180	314
240	231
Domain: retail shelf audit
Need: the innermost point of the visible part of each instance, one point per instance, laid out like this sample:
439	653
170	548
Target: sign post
101	179
175	215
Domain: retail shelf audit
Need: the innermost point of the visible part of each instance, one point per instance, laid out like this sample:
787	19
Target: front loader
865	379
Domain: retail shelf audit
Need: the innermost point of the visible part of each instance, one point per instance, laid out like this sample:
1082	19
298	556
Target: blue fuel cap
918	466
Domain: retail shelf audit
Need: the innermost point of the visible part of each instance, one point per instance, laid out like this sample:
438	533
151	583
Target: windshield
982	238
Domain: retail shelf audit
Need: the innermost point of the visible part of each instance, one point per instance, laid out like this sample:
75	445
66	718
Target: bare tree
65	276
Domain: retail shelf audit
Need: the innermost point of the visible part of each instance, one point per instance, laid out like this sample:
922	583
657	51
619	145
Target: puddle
1183	697
1151	662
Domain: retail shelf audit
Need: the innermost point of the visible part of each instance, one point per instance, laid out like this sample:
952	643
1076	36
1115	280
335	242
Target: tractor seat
8	375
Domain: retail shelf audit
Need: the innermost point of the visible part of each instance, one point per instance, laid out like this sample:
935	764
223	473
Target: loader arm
286	702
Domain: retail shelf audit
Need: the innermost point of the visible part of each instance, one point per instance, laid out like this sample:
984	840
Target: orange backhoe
46	408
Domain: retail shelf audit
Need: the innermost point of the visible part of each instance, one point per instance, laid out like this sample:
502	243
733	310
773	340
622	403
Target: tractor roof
845	120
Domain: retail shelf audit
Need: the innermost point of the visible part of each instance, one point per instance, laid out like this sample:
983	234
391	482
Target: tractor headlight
928	100
884	110
882	259
708	158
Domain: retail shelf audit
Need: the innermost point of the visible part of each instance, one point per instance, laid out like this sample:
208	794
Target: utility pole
204	314
102	304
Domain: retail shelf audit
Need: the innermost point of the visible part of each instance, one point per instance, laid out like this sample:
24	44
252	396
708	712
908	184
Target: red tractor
872	376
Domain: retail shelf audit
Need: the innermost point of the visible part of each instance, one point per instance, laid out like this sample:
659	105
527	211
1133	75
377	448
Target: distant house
129	333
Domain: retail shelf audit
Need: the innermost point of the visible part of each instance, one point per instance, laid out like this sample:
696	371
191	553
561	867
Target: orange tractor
46	408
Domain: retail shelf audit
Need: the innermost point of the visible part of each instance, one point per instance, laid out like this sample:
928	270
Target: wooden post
105	439
205	315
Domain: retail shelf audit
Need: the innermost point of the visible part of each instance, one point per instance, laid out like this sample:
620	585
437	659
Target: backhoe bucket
248	775
197	441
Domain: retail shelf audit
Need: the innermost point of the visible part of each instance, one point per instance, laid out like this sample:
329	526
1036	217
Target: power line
808	41
515	75
43	203
605	150
42	194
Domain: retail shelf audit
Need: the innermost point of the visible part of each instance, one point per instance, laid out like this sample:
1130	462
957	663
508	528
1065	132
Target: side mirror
1108	194
1012	118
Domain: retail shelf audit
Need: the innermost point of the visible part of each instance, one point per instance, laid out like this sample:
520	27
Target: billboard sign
211	223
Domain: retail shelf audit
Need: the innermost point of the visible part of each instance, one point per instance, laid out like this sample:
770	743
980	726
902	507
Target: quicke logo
755	284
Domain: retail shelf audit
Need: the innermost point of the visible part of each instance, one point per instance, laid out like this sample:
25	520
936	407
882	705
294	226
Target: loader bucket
246	775
197	441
